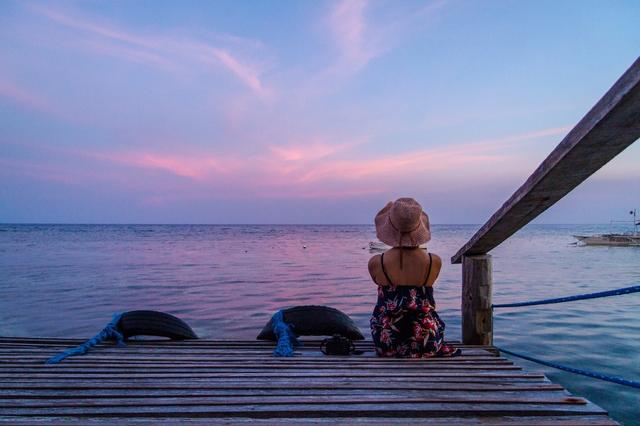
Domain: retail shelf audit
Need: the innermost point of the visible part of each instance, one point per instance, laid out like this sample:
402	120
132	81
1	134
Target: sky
302	111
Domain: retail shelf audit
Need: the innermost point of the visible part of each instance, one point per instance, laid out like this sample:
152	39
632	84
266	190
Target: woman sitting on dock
404	321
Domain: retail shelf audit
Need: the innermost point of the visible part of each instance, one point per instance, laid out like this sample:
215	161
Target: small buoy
304	247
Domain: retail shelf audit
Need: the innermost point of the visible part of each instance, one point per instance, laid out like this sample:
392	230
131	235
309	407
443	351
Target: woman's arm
373	268
436	265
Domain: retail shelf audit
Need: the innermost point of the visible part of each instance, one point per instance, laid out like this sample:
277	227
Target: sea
227	281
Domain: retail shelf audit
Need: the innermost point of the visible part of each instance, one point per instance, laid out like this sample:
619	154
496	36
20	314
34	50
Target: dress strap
384	270
429	271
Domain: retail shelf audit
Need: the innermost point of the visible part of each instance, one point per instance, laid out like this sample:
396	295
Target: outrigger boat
377	246
627	239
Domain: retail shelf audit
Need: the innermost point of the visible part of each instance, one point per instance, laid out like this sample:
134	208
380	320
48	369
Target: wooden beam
477	317
606	130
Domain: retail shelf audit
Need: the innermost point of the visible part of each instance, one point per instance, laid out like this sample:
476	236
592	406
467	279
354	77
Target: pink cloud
32	101
37	171
308	150
130	54
307	169
448	158
359	38
92	27
247	74
348	27
159	50
197	167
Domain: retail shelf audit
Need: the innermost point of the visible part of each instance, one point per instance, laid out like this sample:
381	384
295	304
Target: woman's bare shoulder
374	262
374	266
436	265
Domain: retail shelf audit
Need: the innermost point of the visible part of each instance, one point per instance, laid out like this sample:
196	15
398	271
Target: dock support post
477	316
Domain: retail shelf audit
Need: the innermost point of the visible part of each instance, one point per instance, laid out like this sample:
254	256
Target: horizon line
259	224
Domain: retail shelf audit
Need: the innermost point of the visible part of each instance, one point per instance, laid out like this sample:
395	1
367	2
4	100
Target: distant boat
627	239
378	246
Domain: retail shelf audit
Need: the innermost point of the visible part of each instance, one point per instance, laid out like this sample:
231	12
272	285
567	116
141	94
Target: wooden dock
204	382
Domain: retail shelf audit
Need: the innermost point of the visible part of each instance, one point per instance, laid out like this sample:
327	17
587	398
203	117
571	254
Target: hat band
405	232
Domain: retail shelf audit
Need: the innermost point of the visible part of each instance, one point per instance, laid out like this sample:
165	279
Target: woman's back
405	266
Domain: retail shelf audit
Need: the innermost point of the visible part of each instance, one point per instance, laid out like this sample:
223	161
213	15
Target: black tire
315	321
154	323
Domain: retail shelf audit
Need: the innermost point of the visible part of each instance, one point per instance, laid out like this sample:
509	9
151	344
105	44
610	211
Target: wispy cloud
348	26
449	159
196	167
246	73
310	149
161	50
27	99
313	168
361	36
308	169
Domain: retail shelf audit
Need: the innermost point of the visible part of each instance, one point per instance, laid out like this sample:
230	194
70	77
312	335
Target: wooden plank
376	398
465	376
30	360
574	420
309	383
190	344
239	368
321	409
306	353
606	130
312	385
451	391
115	363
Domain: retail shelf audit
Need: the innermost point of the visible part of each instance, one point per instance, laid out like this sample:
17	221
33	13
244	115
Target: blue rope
588	373
110	332
617	292
287	340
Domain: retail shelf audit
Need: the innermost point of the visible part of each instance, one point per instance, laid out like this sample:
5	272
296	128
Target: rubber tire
313	320
154	323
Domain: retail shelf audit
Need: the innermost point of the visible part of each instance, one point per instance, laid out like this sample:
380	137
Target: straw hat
402	223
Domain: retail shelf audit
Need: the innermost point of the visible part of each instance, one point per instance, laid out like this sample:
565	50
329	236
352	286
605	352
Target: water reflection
226	281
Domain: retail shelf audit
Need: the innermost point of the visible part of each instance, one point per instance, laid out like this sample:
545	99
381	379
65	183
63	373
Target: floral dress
405	323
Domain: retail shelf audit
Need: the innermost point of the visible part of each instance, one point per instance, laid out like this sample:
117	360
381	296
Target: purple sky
301	112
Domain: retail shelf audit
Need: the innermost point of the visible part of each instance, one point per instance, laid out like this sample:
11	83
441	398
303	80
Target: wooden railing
606	130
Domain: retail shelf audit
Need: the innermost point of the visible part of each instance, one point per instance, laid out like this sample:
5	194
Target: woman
404	321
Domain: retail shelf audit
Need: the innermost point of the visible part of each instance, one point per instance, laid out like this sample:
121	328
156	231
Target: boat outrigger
627	239
377	246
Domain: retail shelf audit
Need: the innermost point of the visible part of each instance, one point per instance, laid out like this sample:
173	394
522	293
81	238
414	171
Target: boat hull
609	240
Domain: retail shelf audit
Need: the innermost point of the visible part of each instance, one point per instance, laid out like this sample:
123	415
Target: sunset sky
301	111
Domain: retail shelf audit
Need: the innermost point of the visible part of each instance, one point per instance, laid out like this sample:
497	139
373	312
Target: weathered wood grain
477	315
441	392
187	382
606	130
575	420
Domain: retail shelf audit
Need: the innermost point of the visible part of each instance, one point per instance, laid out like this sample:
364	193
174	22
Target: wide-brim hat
403	223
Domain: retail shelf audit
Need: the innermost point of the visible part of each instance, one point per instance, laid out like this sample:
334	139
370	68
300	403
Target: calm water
226	282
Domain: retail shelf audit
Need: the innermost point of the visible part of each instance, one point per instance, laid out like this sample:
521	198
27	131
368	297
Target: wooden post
477	317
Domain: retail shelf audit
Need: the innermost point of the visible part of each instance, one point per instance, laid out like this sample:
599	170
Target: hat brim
388	234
